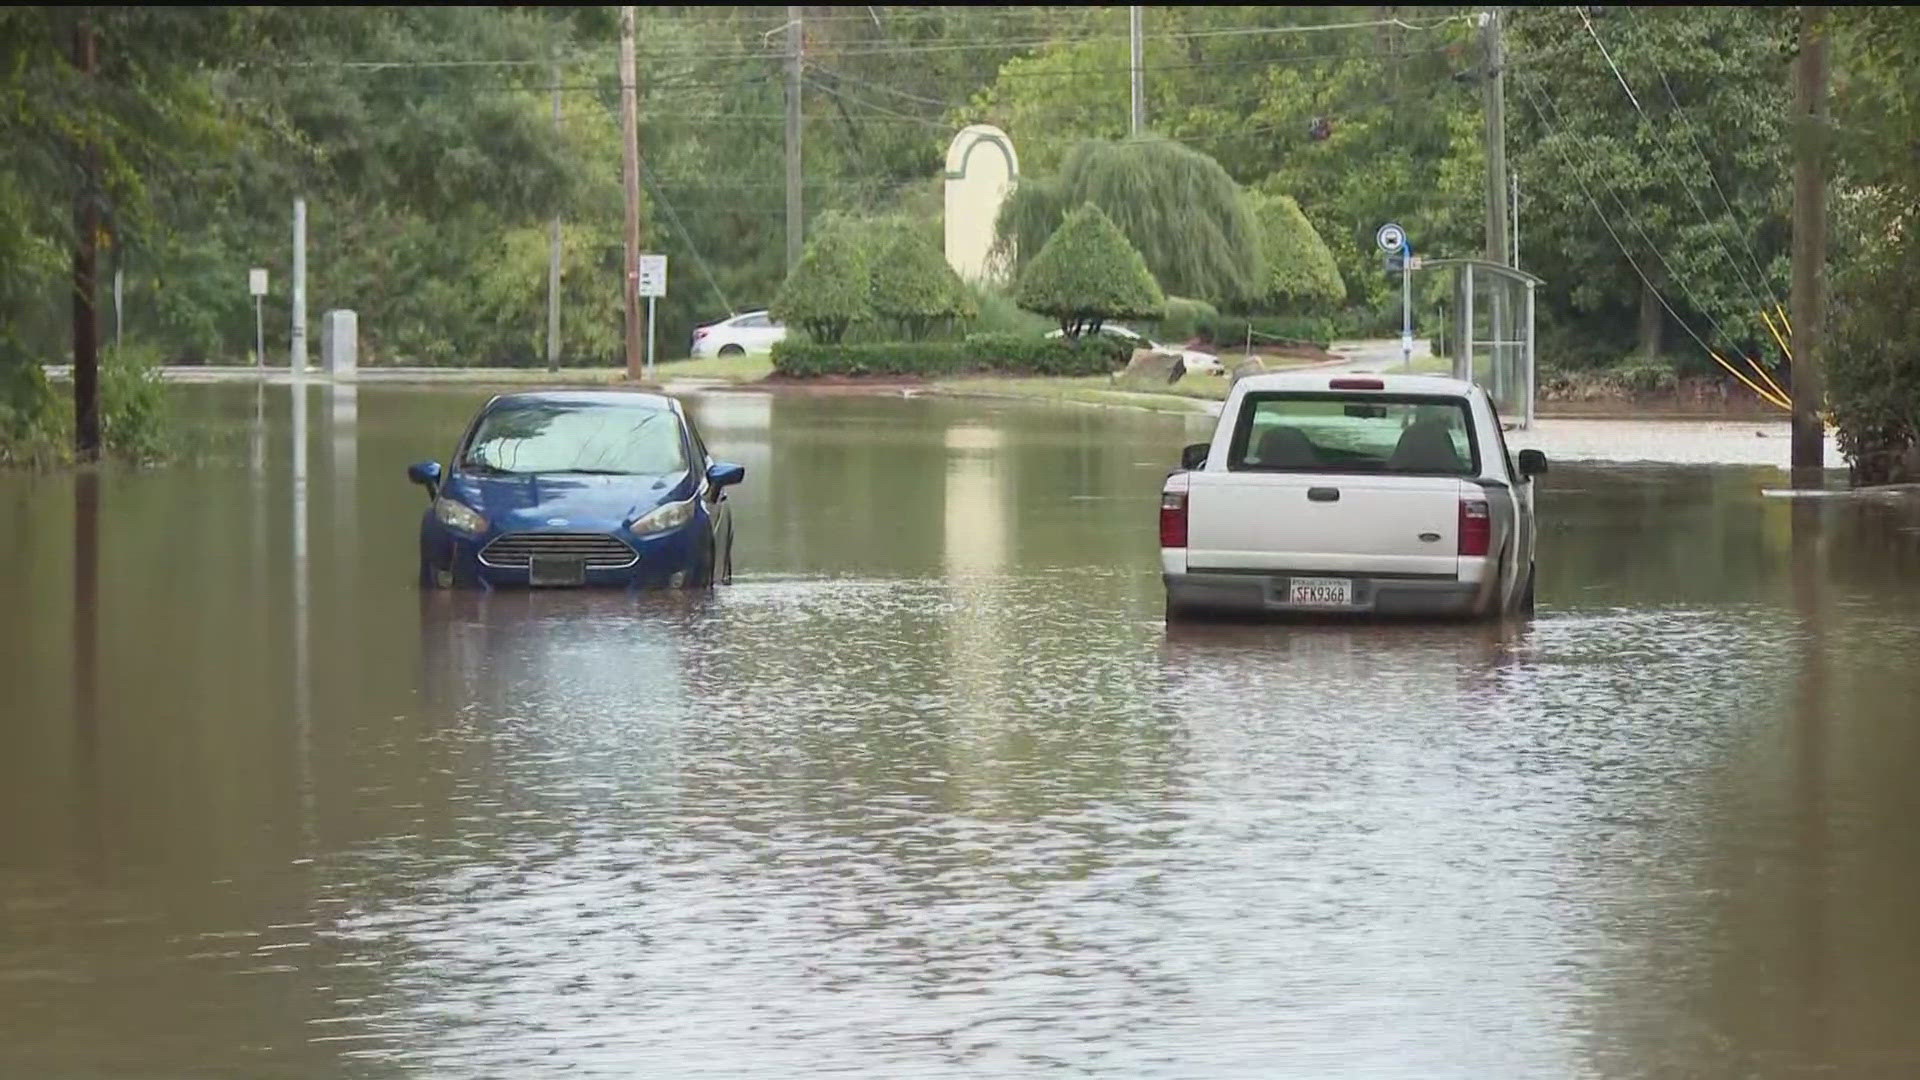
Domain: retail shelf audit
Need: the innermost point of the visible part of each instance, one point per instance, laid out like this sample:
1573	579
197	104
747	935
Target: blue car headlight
663	518
458	517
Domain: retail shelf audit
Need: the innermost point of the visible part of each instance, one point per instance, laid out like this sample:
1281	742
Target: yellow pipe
1777	402
1764	377
1785	349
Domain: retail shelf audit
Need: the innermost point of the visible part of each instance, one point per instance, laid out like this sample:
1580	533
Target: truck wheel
1526	595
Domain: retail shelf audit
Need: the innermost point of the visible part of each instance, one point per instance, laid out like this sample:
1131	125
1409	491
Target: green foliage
914	287
1597	175
133	404
978	354
1873	357
1185	319
1086	274
1175	205
999	314
830	289
1301	275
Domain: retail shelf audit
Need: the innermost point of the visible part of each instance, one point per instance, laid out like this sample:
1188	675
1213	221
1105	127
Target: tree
1301	277
913	285
1873	351
1086	274
1686	179
1372	123
831	288
1175	205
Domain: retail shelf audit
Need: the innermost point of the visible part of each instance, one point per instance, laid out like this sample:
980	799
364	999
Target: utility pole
796	45
1494	87
630	137
1514	179
86	323
1138	122
553	254
1808	300
297	357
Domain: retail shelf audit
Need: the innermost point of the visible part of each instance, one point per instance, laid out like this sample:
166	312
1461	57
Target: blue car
578	488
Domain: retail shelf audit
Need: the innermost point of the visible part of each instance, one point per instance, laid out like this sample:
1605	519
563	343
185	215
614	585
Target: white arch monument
982	170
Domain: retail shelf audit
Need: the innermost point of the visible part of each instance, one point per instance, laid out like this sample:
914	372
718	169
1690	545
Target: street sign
1391	238
257	281
653	275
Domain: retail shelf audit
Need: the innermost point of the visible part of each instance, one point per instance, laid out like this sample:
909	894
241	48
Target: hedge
980	354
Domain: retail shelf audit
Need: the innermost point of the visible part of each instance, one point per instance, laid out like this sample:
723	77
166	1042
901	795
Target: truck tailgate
1336	523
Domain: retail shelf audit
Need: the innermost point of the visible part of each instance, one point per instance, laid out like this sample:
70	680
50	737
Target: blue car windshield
612	440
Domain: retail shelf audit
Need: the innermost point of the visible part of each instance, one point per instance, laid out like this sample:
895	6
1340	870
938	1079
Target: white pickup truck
1375	494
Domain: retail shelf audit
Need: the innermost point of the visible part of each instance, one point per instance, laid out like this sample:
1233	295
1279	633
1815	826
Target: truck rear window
1408	434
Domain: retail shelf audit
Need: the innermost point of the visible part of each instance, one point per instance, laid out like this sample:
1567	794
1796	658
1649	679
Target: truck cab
1364	495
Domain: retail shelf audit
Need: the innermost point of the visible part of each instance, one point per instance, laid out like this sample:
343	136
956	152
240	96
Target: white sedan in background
1192	359
747	332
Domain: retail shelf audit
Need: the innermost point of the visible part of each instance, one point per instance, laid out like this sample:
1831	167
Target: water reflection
86	671
932	789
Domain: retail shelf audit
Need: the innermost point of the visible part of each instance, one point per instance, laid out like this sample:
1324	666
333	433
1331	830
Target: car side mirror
427	475
1532	463
720	474
1193	457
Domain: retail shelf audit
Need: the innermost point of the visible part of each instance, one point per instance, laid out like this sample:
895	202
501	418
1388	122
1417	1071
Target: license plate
1320	592
547	570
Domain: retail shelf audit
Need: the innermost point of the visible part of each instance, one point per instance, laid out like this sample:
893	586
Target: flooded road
931	791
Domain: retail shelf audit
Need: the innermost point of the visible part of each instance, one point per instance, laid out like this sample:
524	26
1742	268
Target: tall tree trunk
86	324
1653	321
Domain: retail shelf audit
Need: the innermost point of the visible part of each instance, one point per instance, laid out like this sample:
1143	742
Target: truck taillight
1173	519
1476	527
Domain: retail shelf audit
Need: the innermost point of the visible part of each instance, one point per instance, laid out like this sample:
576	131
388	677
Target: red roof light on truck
1357	384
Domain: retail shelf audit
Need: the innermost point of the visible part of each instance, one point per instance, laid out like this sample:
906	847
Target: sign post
1393	240
257	286
652	285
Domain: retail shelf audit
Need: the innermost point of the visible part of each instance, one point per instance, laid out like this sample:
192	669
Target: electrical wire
1740	272
1740	226
1560	140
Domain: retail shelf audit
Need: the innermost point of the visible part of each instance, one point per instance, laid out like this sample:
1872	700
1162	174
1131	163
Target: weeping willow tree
1176	206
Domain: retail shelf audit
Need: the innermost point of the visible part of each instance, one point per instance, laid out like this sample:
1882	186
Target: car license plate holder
1315	592
547	571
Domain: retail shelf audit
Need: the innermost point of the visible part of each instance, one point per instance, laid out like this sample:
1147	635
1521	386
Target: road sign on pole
1393	240
652	285
257	287
653	275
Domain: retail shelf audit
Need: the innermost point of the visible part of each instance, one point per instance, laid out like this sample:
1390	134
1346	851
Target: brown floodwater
931	790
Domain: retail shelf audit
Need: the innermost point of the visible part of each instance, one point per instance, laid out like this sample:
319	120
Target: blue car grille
600	551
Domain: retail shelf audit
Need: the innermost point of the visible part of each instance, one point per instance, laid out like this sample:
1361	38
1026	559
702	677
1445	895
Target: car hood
567	500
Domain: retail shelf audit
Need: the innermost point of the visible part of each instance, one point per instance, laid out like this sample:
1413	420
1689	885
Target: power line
1739	225
692	248
1561	140
1739	271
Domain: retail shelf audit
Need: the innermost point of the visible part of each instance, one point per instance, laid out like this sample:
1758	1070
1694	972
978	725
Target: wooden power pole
1808	301
630	139
1493	86
86	322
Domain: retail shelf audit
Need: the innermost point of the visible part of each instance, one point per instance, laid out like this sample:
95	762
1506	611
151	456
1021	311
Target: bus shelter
1492	336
